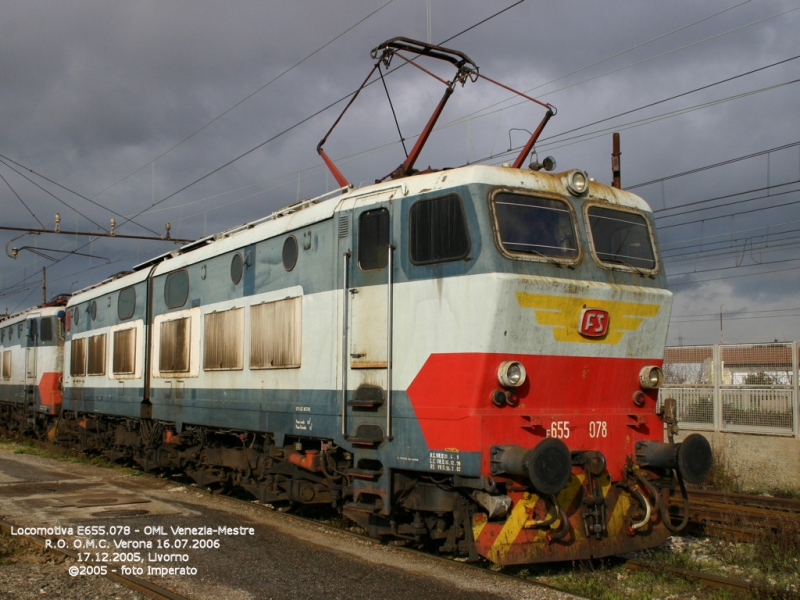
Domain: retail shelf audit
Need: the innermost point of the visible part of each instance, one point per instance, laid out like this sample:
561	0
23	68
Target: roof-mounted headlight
577	182
511	374
651	378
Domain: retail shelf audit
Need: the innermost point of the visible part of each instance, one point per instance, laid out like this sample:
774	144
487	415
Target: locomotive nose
548	465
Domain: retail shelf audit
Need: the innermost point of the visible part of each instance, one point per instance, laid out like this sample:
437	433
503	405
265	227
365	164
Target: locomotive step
365	473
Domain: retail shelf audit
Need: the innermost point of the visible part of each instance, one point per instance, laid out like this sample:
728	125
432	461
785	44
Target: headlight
651	378
511	374
577	182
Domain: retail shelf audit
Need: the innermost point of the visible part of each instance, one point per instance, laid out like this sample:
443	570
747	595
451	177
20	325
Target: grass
772	562
9	549
43	449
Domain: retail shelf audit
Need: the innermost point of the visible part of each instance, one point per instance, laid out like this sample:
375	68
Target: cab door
31	348
366	251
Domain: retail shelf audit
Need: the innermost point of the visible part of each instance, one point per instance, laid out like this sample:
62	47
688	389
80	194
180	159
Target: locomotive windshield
621	237
538	226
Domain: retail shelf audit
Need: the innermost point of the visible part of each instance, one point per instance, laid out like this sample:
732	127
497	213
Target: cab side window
373	239
438	230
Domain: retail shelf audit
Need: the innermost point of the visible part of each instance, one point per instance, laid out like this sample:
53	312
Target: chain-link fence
749	388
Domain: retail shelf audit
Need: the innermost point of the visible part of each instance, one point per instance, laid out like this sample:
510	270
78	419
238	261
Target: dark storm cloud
92	91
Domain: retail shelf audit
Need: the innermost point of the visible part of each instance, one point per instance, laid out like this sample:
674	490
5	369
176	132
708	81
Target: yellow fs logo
586	320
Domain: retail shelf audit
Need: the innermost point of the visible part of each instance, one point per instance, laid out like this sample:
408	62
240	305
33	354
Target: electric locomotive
467	359
31	365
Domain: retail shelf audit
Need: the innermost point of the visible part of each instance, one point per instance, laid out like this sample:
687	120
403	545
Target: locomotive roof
24	314
318	209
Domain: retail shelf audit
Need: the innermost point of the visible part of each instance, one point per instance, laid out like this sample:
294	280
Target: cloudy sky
207	115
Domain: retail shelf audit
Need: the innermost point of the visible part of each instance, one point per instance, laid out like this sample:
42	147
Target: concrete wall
759	462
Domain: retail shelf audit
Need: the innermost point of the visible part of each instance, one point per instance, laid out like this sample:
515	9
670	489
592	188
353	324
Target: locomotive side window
237	268
437	231
223	344
46	329
124	360
174	346
33	329
528	225
97	355
275	334
7	364
176	289
289	253
77	360
126	303
621	237
373	239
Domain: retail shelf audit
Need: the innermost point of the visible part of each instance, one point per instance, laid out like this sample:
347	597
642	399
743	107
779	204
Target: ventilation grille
344	226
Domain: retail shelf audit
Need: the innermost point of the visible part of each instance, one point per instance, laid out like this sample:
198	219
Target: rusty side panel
124	360
174	347
77	365
275	334
223	345
6	374
97	355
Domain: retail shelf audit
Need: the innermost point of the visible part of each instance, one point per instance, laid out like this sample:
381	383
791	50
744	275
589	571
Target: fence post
717	366
795	403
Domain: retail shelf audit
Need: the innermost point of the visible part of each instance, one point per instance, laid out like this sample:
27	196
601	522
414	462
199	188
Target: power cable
246	98
13	191
481	113
292	127
768	188
771	262
5	158
714	166
743	212
49	193
276	136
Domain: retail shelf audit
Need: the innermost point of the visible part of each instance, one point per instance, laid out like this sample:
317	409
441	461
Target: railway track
709	580
743	517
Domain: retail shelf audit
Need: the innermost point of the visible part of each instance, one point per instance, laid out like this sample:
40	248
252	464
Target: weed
722	477
9	549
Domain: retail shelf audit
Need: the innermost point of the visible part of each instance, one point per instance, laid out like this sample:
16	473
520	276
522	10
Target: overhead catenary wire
246	98
49	193
481	113
287	130
13	191
21	166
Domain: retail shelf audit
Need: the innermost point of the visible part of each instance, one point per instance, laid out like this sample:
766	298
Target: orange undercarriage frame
535	530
